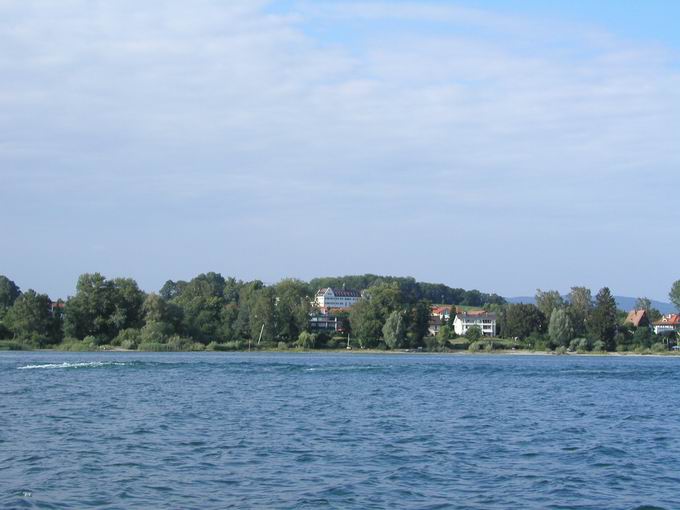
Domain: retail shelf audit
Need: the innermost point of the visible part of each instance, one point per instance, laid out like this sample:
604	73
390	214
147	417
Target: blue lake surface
220	430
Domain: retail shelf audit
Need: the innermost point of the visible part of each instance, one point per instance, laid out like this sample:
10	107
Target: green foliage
292	308
548	301
521	321
603	322
366	322
155	332
128	338
580	307
560	329
9	292
394	330
102	307
29	317
599	346
674	294
306	340
474	333
580	345
14	345
659	347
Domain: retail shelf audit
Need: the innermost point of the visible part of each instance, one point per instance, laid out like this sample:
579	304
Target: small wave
89	364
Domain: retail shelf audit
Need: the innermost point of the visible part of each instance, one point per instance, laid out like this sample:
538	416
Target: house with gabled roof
637	318
667	324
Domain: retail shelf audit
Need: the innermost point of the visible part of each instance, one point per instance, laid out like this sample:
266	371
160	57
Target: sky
498	145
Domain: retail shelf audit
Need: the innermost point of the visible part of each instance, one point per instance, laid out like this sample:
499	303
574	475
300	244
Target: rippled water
217	430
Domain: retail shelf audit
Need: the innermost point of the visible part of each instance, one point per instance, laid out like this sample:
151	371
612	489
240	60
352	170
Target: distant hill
623	302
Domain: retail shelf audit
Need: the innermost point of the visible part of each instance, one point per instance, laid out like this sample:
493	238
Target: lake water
219	430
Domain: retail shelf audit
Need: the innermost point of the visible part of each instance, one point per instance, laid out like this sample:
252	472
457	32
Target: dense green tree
674	294
366	322
101	308
602	325
419	322
560	329
643	303
522	320
246	299
580	306
9	292
127	301
263	316
171	290
547	301
29	317
474	333
232	289
90	312
293	304
157	310
394	330
228	320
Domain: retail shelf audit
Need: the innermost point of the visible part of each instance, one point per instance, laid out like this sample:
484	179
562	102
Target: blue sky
505	146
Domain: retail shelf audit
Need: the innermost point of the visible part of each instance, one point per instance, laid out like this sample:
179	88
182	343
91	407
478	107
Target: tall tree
580	306
90	311
643	303
30	317
366	323
560	329
419	322
293	304
547	301
263	315
674	294
521	320
127	301
394	330
9	292
603	321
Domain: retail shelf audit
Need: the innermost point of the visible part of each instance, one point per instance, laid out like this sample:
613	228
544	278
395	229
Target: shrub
306	340
13	345
130	345
474	333
282	346
659	347
561	350
599	346
130	337
476	346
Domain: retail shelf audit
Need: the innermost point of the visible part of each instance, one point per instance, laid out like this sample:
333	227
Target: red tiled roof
635	316
672	319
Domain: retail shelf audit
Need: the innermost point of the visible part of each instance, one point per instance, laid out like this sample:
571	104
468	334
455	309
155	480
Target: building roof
440	310
672	319
636	316
480	314
340	292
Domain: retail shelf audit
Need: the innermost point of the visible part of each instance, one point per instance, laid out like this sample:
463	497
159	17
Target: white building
336	298
485	321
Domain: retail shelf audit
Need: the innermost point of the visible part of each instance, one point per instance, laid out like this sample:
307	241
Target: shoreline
366	352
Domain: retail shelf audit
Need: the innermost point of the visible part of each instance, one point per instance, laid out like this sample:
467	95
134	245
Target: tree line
211	311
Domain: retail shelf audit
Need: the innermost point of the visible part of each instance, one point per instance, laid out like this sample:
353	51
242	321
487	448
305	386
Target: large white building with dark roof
336	298
483	320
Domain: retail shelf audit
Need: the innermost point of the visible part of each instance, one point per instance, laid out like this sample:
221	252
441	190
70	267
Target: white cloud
446	111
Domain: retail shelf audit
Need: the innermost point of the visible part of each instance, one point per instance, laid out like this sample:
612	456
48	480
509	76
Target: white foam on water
90	364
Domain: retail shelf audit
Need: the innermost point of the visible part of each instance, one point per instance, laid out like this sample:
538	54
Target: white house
668	324
484	320
336	298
